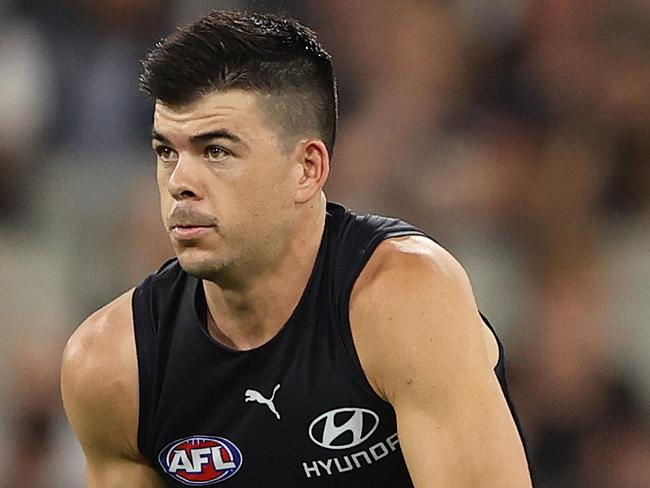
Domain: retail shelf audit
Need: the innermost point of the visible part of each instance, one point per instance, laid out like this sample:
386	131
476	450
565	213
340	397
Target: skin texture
245	212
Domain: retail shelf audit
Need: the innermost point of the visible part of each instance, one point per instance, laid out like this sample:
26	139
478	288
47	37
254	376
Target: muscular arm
425	349
99	384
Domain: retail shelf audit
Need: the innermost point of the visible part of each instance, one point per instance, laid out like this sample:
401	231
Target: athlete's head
244	122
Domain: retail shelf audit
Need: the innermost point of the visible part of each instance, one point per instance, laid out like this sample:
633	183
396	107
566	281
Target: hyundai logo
343	428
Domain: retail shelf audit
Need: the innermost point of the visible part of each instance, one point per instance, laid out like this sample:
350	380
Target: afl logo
201	460
343	428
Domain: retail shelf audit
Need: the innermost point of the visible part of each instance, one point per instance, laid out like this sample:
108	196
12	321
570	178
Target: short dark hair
276	56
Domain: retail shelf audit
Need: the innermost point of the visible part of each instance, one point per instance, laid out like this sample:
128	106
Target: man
291	341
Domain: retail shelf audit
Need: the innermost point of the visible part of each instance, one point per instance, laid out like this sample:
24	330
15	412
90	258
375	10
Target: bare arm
425	350
99	384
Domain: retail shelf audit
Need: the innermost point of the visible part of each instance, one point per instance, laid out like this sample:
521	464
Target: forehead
236	110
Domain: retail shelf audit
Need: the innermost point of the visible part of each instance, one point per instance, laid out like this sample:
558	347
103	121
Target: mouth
191	231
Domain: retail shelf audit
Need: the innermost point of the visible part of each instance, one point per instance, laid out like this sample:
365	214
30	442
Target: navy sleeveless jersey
297	411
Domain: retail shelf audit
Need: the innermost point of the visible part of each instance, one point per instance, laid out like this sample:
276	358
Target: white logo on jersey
181	461
350	461
356	425
256	396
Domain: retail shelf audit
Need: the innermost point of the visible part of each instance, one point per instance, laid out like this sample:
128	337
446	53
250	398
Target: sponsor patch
201	460
343	428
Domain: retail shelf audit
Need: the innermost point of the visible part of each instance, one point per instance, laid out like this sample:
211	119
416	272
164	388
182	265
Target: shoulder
412	311
413	266
99	379
101	343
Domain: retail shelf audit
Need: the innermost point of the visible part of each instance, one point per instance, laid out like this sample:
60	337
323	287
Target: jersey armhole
144	340
345	329
500	371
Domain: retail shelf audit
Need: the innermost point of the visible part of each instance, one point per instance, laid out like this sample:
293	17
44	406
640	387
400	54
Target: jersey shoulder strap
355	237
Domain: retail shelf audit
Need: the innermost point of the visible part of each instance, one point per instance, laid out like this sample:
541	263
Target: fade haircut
276	57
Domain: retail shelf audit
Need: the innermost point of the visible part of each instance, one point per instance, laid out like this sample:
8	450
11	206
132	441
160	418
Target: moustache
186	217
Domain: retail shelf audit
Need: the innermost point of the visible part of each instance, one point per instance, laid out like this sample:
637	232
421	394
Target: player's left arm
425	349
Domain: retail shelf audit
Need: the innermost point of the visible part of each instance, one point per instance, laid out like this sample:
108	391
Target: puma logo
256	396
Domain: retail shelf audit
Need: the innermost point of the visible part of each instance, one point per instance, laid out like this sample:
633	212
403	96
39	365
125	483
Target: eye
166	154
216	153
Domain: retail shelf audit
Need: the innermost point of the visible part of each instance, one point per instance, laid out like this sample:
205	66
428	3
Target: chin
202	265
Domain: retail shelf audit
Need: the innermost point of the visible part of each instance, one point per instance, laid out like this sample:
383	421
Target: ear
313	169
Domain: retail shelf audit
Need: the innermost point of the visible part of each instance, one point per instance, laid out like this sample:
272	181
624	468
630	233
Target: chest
295	414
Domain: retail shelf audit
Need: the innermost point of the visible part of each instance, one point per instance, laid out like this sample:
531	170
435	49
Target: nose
184	181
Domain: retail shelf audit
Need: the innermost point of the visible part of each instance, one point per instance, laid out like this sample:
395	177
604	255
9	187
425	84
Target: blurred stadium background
517	132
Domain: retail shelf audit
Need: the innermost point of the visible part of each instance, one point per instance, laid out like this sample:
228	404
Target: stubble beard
210	269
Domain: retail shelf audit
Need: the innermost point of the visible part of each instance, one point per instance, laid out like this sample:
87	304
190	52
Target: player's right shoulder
99	379
101	341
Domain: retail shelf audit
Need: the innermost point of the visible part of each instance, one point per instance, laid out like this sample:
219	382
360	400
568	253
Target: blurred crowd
516	132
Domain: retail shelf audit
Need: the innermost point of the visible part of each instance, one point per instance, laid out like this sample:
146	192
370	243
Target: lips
191	232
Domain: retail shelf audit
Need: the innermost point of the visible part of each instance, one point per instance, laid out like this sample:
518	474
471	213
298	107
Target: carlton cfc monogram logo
201	460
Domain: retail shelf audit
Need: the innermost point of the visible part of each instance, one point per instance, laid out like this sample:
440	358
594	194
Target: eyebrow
202	137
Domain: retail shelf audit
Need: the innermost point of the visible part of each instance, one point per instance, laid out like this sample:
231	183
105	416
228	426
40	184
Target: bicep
110	463
470	441
112	459
454	423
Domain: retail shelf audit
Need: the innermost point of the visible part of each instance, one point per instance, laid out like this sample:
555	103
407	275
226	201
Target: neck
251	309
